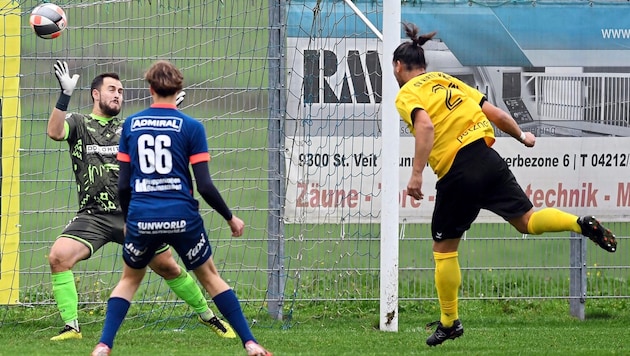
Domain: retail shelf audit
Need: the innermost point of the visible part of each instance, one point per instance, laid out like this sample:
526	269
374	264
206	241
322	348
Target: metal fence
592	102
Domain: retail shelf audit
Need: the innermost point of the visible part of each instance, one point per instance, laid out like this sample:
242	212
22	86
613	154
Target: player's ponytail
411	52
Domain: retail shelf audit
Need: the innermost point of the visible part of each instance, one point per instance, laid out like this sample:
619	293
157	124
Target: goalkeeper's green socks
65	293
186	288
552	220
448	278
207	315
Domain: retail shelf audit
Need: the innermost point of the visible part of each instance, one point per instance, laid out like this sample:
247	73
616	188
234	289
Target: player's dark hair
165	78
410	53
97	82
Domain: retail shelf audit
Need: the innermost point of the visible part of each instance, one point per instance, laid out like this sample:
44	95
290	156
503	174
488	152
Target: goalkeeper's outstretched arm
56	122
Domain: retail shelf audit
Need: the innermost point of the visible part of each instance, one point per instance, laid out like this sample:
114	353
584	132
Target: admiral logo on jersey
166	123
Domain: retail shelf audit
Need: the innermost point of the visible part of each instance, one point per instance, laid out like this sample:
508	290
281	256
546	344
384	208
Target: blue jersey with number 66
160	143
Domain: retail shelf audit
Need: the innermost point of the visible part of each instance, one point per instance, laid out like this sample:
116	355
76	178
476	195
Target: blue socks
226	302
117	309
230	307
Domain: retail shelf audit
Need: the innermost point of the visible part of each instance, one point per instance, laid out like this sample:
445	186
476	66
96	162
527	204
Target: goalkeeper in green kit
93	144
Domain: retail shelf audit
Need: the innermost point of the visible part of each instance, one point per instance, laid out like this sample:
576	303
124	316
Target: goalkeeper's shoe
602	236
67	333
219	327
254	349
442	334
101	350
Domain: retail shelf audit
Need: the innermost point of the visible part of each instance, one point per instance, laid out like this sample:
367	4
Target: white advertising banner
337	179
566	92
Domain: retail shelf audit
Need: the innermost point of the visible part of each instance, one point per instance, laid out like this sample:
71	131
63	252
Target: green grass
491	328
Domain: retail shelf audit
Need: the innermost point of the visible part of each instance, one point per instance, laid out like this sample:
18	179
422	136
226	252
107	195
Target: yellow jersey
455	110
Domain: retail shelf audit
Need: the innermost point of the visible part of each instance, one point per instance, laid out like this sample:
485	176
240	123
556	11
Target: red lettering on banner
313	196
563	197
403	199
623	194
326	198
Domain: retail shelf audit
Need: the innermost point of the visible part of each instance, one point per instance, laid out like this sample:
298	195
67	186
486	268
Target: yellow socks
552	220
448	278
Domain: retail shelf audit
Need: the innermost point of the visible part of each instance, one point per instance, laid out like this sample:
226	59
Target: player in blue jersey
155	186
93	143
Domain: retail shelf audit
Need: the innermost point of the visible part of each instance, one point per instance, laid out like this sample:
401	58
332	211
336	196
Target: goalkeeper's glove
180	97
66	83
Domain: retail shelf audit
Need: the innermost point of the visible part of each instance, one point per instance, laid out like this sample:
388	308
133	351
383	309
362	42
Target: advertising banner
560	70
340	179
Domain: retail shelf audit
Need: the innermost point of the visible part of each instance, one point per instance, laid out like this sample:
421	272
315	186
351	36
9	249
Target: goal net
223	49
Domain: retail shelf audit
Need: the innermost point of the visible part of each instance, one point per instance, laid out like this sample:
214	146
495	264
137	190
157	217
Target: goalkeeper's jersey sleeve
93	145
160	143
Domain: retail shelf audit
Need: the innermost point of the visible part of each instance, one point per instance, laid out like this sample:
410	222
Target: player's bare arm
423	128
56	129
507	124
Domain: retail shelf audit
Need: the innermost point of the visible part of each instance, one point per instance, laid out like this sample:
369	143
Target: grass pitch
491	328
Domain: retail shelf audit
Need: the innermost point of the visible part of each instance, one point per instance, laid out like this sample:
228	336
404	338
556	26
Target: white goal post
388	317
388	309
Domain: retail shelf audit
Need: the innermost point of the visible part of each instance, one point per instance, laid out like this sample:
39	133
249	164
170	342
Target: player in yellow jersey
451	123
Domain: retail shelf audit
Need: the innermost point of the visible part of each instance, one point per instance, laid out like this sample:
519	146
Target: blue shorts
187	236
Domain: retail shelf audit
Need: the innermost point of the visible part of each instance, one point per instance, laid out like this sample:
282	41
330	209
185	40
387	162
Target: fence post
276	164
577	276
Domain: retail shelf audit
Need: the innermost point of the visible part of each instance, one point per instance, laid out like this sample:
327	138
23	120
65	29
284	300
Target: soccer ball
48	20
